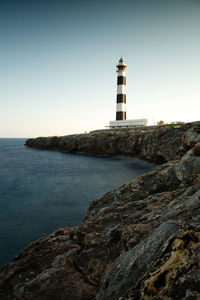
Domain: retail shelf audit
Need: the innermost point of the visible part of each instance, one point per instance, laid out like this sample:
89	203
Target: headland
141	241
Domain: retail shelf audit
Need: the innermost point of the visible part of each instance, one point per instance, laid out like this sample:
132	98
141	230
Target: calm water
43	190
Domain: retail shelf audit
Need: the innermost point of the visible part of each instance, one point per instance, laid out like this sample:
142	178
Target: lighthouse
121	91
121	121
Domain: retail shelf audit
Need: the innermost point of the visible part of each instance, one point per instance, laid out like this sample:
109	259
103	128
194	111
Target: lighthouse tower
121	121
121	91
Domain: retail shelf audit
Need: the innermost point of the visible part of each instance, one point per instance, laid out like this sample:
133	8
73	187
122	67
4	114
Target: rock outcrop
141	241
156	143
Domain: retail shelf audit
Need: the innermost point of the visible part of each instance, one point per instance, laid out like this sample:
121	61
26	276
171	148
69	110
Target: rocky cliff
141	241
157	144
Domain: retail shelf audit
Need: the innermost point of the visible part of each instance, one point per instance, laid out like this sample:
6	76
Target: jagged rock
191	137
141	241
132	265
157	144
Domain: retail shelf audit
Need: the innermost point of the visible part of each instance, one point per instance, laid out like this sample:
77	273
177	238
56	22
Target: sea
42	190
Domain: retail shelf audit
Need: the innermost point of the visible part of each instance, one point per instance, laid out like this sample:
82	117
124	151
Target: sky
58	63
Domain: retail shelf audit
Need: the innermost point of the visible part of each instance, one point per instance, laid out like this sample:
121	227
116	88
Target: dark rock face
141	241
157	144
133	264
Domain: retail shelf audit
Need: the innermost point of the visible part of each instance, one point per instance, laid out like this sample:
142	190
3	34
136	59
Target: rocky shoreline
141	241
157	144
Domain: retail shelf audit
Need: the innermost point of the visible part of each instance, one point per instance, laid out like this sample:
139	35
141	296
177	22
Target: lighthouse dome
121	63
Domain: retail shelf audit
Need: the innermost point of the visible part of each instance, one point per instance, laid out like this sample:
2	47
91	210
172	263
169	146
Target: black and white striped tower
121	90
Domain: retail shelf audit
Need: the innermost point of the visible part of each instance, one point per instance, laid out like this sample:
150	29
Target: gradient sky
58	63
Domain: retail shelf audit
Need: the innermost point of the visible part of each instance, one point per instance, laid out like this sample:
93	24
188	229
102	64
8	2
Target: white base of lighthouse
128	123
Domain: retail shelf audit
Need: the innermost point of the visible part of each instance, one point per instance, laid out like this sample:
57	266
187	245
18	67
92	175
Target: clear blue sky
58	63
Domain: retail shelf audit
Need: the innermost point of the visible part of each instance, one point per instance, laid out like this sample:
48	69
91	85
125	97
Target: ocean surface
42	190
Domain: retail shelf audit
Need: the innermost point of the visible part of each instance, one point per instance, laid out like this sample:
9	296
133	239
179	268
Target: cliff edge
141	241
156	143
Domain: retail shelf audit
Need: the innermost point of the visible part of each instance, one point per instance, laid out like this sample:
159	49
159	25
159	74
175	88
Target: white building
128	123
